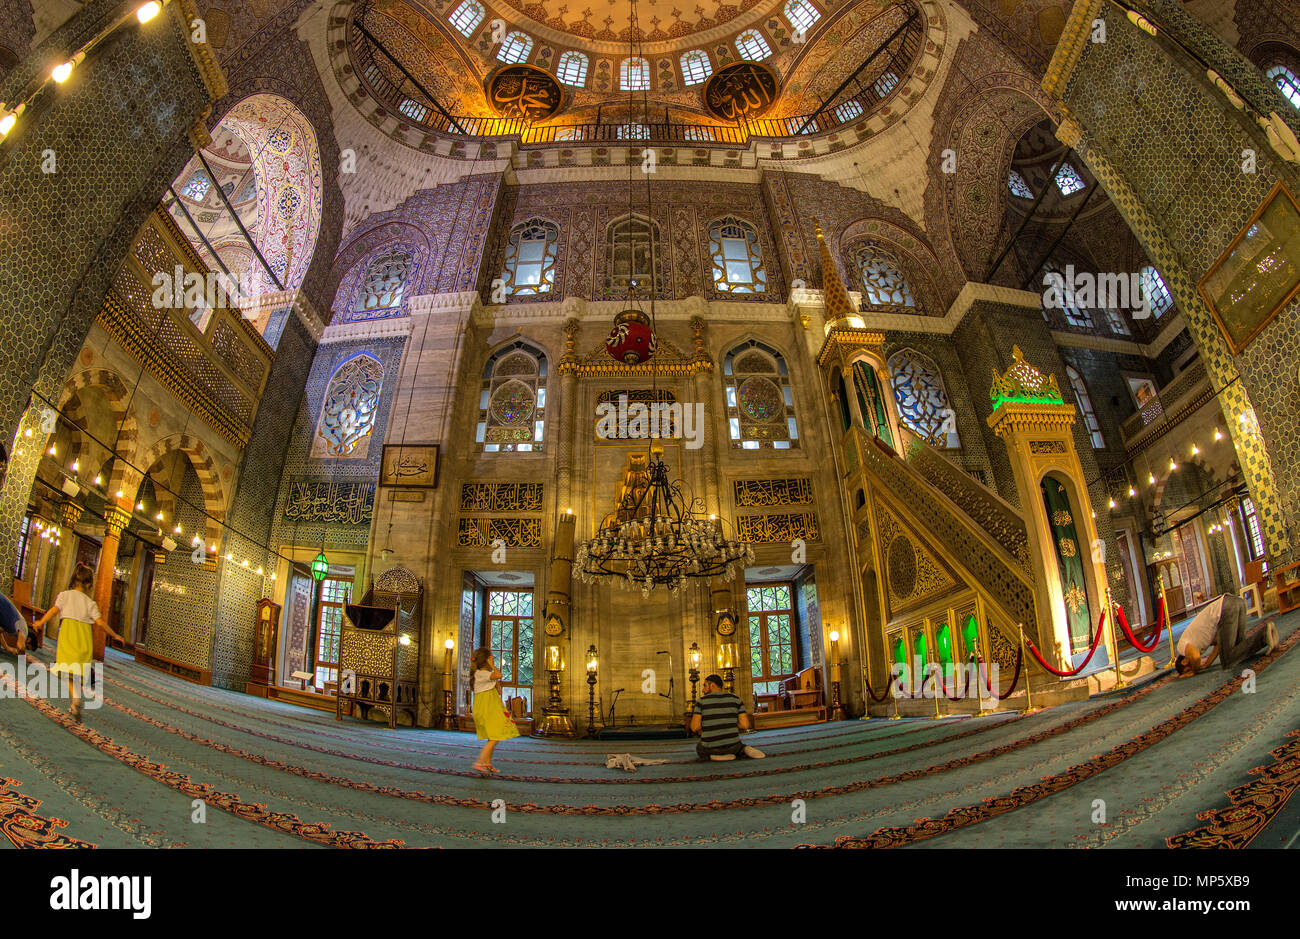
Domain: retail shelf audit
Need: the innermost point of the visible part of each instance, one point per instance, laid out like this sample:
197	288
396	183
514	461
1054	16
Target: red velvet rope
871	694
1128	633
1082	665
1015	677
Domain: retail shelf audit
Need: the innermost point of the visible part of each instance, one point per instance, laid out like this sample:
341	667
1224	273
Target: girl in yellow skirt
79	617
491	719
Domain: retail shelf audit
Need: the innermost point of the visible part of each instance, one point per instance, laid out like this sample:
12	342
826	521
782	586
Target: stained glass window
698	133
760	401
515	48
351	405
752	46
197	187
1286	82
801	14
1055	281
1156	291
570	133
509	634
466	16
1118	326
1018	186
695	67
737	257
1085	406
1068	180
801	125
632	132
634	252
922	400
572	69
634	75
512	400
530	258
848	111
883	285
885	84
384	285
772	647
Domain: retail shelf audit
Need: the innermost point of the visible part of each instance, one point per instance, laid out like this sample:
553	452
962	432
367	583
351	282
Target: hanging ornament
631	341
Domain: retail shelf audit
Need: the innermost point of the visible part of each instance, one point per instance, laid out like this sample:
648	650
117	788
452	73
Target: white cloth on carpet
628	762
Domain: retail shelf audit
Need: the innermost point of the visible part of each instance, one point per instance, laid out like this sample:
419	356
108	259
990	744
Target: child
491	720
78	614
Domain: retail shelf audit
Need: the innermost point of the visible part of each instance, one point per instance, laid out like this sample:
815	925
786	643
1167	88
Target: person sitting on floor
718	718
1221	625
13	628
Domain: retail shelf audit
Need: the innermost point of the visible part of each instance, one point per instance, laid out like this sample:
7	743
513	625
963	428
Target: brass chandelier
658	539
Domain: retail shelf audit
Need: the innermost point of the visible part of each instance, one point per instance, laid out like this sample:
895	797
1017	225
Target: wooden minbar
379	649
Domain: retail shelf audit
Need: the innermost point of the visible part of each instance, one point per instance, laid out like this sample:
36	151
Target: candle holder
591	691
837	709
694	658
555	716
449	721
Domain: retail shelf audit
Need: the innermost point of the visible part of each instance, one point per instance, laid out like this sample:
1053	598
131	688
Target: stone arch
915	259
354	259
878	365
981	120
119	399
214	500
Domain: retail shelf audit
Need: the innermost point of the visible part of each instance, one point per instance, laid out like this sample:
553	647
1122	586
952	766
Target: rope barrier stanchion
1114	641
1153	638
1096	640
1162	615
893	692
1029	701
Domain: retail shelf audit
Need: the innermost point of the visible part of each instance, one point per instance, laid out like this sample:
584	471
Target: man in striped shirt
719	718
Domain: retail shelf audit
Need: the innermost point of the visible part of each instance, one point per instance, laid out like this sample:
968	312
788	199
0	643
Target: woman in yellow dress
79	616
491	719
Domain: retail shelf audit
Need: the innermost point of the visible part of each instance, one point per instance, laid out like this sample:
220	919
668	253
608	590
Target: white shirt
483	680
1203	630
73	604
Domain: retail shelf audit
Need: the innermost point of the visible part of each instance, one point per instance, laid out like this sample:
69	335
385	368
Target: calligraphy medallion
525	92
740	91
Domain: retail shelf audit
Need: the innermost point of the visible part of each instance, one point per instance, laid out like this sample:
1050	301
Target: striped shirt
719	711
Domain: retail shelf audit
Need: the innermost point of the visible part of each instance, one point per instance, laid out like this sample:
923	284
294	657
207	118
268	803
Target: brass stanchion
1114	640
893	695
1169	625
1024	654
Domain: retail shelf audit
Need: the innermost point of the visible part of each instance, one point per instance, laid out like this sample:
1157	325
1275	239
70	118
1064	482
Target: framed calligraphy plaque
740	91
524	92
1259	274
410	465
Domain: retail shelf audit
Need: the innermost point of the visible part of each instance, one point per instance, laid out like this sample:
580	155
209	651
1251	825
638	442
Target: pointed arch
760	399
922	398
126	430
214	499
512	399
349	408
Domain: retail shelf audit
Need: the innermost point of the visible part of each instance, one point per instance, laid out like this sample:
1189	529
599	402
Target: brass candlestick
592	664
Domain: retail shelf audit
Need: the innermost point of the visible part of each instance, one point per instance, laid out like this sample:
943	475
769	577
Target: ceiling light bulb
27	432
139	506
259	570
1218	434
7	121
158	516
51	451
1131	492
61	72
148	11
99	480
1151	478
1195	450
76	465
1172	466
119	493
1112	503
177	530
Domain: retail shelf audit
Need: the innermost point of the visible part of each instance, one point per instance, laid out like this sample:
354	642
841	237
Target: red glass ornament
631	341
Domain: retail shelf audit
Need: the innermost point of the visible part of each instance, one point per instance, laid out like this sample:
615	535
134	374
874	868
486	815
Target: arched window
1118	325
1286	82
752	46
1085	406
515	48
632	132
467	16
885	84
348	413
1018	186
737	257
413	109
197	187
848	111
801	14
512	402
530	257
695	67
1068	180
699	133
760	402
634	75
1056	286
922	400
572	69
383	286
633	252
883	285
1156	292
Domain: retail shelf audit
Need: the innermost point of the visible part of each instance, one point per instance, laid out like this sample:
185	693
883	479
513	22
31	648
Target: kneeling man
1221	625
718	719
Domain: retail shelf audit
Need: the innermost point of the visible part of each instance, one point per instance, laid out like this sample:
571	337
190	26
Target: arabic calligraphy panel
739	91
410	465
330	502
524	92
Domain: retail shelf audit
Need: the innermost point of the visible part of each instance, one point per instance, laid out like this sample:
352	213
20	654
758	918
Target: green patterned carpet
167	763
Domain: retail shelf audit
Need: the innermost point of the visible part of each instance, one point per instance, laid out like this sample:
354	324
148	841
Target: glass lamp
320	567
